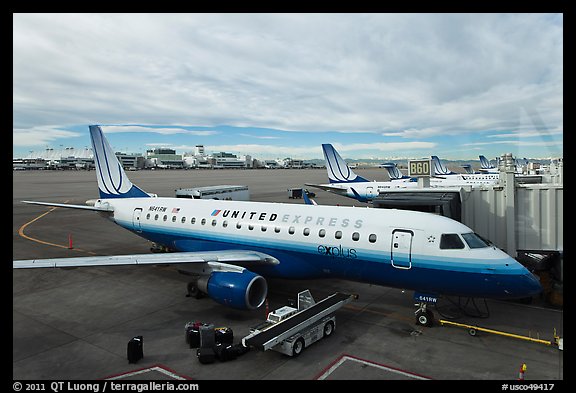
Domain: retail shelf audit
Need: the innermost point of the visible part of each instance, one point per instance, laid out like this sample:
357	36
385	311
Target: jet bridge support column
508	178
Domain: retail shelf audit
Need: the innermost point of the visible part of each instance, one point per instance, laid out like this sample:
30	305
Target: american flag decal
176	210
215	213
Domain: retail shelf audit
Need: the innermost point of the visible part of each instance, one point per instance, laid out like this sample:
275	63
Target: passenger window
192	220
264	228
156	217
238	225
355	236
306	231
338	235
372	238
203	222
450	241
250	226
277	229
183	220
291	230
213	223
173	218
322	232
165	217
224	224
148	216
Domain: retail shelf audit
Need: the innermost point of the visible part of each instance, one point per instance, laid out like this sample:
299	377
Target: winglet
358	196
307	199
112	180
338	169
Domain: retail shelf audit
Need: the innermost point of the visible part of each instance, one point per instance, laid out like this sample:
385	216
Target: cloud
157	130
409	75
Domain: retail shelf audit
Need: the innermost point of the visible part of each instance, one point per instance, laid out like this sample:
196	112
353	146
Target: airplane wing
326	187
214	258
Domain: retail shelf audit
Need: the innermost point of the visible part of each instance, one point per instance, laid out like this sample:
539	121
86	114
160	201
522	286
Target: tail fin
338	170
440	169
393	171
112	180
484	163
468	169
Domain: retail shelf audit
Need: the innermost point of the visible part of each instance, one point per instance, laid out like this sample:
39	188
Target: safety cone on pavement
522	371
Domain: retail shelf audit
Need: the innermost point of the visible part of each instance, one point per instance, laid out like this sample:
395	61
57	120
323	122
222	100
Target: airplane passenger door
136	219
401	248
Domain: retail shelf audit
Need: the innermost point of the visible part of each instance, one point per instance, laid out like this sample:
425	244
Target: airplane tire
193	291
425	318
328	329
298	347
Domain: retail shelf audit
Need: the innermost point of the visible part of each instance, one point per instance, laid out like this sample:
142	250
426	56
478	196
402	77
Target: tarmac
75	324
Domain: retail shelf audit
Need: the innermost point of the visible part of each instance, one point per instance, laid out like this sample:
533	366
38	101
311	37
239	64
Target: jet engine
242	290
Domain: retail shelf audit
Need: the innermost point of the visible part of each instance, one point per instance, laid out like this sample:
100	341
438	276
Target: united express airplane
231	247
343	180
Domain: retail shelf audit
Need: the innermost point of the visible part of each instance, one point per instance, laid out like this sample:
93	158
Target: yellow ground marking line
21	233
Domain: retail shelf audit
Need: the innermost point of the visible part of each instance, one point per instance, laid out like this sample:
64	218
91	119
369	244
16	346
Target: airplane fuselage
397	248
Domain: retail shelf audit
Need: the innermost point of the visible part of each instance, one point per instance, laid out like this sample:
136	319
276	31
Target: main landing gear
193	291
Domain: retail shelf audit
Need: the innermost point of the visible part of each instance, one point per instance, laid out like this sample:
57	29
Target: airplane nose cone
532	285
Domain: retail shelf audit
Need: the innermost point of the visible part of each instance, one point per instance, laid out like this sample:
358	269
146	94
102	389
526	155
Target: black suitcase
192	334
193	338
206	355
224	335
225	352
135	349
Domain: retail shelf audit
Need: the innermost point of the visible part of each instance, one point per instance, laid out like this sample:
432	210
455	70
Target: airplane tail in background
484	163
112	180
338	169
393	171
440	169
468	169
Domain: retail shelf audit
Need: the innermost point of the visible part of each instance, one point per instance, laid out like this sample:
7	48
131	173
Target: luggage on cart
206	355
224	335
135	350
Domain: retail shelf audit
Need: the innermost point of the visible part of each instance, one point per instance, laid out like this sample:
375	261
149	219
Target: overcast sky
280	85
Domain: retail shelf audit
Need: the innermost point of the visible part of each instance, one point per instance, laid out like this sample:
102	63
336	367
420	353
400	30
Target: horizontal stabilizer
68	206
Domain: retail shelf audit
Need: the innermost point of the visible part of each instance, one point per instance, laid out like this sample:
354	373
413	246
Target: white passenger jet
343	180
231	247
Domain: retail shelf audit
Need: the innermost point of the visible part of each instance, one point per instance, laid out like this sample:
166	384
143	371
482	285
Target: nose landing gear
424	316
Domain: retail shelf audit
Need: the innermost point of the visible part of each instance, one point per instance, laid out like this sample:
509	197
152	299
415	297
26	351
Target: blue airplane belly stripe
270	246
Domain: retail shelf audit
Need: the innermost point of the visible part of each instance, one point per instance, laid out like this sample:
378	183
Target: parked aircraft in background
344	181
231	247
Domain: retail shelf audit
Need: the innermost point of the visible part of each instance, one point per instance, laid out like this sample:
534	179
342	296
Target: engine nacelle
241	290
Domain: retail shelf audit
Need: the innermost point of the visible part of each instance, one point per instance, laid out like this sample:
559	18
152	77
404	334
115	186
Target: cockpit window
451	241
474	241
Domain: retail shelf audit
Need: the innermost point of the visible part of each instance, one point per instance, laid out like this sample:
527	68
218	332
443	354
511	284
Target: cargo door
136	219
401	248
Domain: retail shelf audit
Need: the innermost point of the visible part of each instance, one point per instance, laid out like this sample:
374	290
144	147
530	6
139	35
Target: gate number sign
419	168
